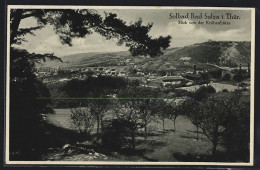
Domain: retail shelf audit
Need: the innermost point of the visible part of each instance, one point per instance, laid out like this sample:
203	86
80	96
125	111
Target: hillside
87	59
219	53
222	53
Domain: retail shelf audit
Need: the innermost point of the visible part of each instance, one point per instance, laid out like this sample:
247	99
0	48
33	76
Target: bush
229	63
238	77
237	133
203	92
226	77
83	120
114	134
215	73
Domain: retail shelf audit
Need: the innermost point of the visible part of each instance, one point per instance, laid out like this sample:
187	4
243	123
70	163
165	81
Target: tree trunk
197	132
214	149
215	142
133	140
98	125
101	123
174	125
145	129
163	126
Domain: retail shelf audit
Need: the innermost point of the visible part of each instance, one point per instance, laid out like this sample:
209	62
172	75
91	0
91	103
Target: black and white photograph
130	85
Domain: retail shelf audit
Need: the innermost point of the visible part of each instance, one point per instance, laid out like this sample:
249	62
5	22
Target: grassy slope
171	146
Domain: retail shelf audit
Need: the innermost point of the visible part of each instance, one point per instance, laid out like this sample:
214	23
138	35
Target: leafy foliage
98	108
215	73
69	23
83	119
128	110
115	132
191	108
147	106
226	77
219	118
94	86
25	88
25	110
162	111
237	129
203	92
240	75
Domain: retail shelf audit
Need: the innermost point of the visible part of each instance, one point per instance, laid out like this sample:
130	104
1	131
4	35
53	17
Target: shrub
203	92
83	120
226	77
114	134
238	77
237	132
215	73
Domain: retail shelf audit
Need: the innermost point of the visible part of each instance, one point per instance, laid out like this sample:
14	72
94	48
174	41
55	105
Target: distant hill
214	52
221	53
87	59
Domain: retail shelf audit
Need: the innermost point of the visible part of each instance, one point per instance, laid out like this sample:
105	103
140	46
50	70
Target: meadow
180	145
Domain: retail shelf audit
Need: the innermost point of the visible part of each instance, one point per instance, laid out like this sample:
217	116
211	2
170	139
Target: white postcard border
8	162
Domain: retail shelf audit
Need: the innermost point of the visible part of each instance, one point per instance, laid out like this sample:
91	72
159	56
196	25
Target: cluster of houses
107	71
172	76
51	75
170	80
45	71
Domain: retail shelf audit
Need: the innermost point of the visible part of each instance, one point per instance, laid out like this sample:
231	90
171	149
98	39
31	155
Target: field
218	86
171	146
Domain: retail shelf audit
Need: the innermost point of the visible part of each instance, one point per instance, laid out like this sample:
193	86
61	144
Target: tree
239	76
127	109
146	106
25	105
216	113
67	24
98	108
146	113
114	133
94	86
223	118
83	119
203	92
191	109
173	113
205	78
130	114
236	136
162	110
226	77
97	89
215	73
161	73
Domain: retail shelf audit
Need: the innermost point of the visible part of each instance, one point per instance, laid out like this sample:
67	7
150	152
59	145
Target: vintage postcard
99	85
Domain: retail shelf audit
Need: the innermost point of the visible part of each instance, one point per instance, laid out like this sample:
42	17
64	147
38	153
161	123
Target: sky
46	41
